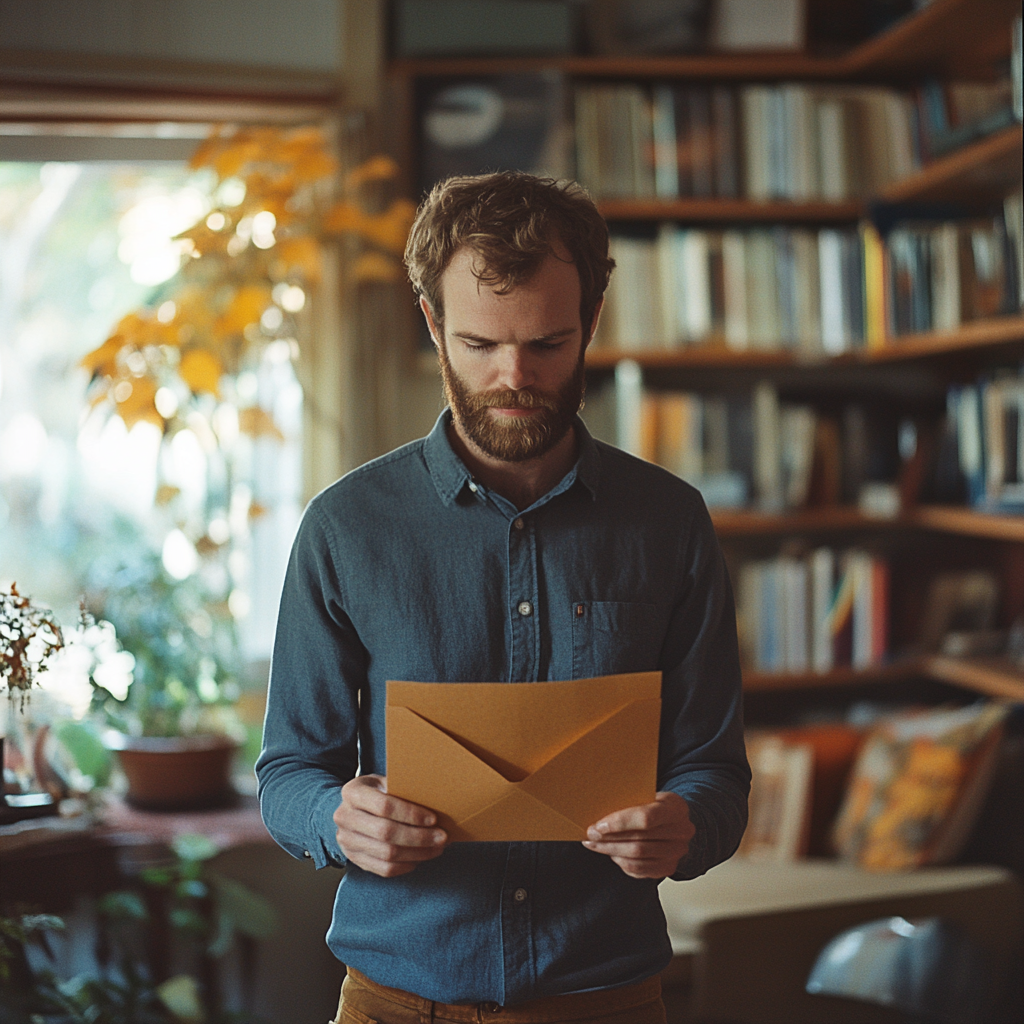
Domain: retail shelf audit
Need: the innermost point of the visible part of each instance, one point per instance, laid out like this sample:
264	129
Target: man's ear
429	317
593	324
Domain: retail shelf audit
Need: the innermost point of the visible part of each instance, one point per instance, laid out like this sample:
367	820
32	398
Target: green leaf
181	996
190	888
249	912
195	847
157	876
83	743
187	921
124	906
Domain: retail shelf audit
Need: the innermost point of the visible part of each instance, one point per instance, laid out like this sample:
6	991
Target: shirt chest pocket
609	637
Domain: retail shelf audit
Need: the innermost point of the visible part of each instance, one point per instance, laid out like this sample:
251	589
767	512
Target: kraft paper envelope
524	761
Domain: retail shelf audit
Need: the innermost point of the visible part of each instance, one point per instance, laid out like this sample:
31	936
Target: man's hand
646	841
381	833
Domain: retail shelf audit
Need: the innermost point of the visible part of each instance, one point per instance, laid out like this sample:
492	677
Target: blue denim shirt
406	568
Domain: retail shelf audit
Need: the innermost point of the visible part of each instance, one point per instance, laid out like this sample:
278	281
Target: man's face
512	365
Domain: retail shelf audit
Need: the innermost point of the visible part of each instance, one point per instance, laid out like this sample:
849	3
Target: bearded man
506	546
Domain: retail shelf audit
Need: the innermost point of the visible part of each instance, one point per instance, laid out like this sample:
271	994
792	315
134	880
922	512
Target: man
507	545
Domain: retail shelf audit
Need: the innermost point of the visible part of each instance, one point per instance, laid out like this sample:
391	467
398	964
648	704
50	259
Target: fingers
667	813
370	793
646	841
384	834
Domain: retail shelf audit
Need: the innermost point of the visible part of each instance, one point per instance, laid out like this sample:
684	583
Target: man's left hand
646	841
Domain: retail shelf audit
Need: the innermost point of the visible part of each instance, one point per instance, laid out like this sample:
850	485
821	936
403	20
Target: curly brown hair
512	220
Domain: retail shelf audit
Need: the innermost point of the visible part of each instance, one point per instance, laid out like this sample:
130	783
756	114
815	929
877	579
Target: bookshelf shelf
995	333
744	523
995	677
730	210
985	170
998	334
962	522
966	522
767	66
953	38
754	682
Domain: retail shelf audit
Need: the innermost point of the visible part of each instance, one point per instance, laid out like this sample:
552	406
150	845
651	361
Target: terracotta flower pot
177	773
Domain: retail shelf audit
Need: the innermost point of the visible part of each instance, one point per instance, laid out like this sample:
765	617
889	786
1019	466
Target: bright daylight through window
170	513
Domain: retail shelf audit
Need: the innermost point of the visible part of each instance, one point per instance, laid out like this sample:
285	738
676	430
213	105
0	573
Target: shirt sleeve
701	751
310	733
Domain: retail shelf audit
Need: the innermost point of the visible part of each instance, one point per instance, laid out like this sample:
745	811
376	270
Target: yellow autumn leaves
274	205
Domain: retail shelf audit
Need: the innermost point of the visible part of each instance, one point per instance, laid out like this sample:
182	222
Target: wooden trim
152	76
988	167
727	210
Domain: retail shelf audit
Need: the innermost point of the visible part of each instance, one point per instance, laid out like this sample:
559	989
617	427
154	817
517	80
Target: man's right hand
383	834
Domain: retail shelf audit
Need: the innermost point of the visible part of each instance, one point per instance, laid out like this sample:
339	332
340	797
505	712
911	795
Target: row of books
826	291
952	114
828	609
792	141
987	418
749	449
770	288
737	449
940	275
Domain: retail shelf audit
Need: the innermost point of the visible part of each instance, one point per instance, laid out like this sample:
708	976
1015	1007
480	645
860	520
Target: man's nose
517	370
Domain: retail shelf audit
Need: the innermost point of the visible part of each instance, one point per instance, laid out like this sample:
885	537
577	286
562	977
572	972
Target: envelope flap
423	762
624	746
518	817
522	726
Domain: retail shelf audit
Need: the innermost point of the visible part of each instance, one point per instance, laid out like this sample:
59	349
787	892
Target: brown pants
365	1002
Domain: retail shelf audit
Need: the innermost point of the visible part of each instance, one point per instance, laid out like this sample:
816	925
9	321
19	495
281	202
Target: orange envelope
524	761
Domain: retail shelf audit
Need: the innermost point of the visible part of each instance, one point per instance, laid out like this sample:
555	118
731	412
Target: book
780	798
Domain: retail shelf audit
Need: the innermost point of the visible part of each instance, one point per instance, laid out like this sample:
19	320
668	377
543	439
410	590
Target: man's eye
547	346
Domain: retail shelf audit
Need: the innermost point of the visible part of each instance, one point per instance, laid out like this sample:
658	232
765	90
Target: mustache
506	398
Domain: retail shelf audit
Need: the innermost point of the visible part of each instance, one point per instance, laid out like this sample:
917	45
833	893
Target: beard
513	438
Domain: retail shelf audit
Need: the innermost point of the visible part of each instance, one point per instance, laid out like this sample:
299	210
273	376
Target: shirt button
519	524
307	854
473	487
519	895
525	608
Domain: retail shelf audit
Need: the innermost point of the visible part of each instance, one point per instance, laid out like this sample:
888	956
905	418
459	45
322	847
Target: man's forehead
469	262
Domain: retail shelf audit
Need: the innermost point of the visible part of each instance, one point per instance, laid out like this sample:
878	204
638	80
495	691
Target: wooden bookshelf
695	356
730	210
982	172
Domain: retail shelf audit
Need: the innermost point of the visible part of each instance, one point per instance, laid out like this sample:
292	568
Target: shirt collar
450	475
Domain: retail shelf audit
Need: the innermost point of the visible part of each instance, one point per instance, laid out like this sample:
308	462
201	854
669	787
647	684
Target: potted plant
29	638
173	728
